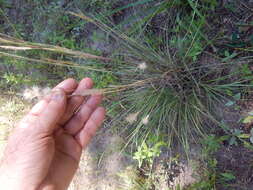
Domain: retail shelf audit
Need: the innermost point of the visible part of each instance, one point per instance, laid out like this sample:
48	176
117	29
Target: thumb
54	110
45	115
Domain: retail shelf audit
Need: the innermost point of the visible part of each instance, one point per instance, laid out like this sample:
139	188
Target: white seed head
35	92
142	66
145	120
28	94
45	91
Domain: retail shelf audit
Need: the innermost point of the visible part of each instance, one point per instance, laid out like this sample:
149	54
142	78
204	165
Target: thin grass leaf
21	45
50	62
16	48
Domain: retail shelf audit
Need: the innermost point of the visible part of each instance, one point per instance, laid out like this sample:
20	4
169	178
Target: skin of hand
44	150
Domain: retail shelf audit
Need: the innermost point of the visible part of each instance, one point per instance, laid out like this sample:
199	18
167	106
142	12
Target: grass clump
180	91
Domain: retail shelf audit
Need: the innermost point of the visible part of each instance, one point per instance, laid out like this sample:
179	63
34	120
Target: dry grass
11	46
11	43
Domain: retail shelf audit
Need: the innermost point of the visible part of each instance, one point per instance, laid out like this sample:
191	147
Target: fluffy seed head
142	66
145	120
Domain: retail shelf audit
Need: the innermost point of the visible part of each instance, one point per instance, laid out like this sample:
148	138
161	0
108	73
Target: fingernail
39	107
57	95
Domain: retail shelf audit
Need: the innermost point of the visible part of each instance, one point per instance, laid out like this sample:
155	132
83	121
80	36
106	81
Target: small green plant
14	79
212	144
147	154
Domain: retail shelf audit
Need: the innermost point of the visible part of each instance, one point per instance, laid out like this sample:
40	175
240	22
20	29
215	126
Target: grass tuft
182	92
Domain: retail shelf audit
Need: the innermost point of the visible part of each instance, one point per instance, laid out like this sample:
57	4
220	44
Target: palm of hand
45	149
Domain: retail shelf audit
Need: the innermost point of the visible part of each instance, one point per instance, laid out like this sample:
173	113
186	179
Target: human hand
44	150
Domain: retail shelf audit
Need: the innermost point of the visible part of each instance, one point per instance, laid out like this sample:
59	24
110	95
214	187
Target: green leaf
248	119
159	144
228	176
237	132
229	103
245	69
233	141
237	96
223	138
229	92
228	56
244	136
